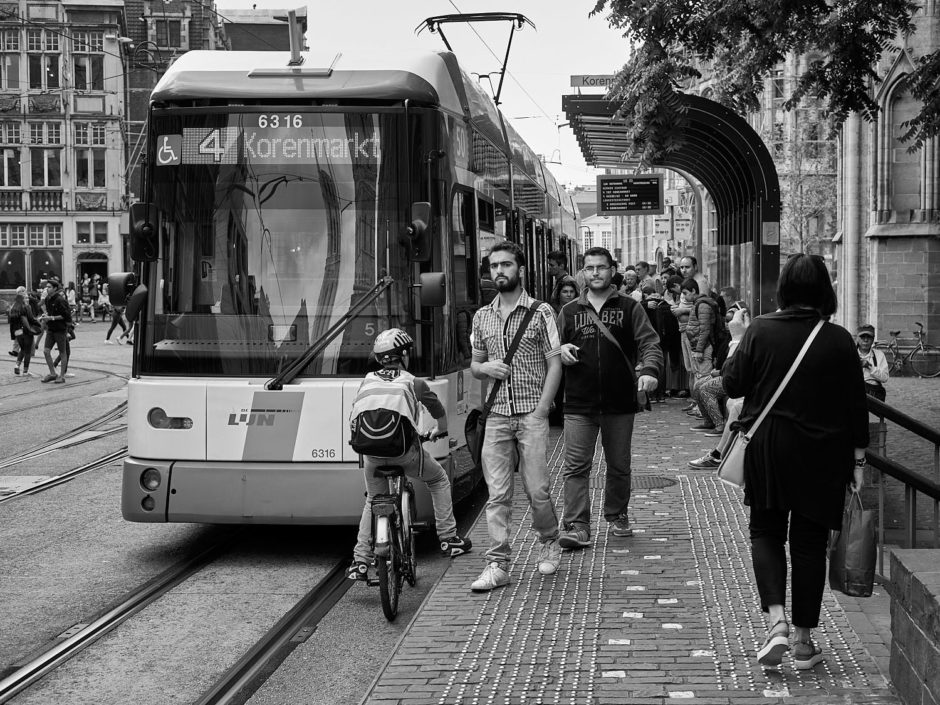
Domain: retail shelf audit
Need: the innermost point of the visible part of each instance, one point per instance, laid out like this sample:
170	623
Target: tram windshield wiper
287	375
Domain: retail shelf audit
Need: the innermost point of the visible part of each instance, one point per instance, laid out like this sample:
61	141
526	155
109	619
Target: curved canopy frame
724	153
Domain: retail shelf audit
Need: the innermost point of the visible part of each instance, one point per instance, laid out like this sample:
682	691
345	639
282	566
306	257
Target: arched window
903	168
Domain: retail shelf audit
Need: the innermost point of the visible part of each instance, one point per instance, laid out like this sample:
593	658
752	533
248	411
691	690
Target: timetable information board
630	195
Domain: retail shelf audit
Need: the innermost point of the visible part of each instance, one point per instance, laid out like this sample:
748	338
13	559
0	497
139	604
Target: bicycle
924	359
393	540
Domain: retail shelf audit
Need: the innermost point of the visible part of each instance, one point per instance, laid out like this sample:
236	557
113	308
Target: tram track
129	605
244	677
60	398
85	433
56	480
76	436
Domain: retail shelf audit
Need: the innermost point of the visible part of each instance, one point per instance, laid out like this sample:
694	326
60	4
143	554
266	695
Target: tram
289	214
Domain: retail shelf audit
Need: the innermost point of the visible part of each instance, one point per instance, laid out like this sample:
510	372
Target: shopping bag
852	551
473	429
731	467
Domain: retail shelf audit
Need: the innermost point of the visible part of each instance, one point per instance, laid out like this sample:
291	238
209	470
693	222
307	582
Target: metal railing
913	482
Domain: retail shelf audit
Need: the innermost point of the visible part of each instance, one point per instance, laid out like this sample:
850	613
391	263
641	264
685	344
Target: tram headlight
158	419
150	479
148	503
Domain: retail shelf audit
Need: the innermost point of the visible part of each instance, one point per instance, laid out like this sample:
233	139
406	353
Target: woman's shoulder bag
731	468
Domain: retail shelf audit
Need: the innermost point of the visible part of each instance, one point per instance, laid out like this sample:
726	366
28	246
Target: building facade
61	138
158	32
888	245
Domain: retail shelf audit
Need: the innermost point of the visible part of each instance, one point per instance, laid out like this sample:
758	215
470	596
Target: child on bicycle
395	389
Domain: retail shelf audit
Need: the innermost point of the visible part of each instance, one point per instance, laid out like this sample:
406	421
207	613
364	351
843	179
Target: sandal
806	655
775	645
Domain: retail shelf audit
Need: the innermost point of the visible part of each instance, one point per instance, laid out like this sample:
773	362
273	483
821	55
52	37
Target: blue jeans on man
580	440
522	438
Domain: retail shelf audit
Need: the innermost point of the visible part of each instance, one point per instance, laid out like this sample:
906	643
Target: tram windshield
272	225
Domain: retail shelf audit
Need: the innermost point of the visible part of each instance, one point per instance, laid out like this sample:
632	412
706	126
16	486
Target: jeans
808	541
434	477
580	439
508	439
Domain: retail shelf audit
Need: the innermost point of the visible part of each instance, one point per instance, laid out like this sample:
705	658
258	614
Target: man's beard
507	284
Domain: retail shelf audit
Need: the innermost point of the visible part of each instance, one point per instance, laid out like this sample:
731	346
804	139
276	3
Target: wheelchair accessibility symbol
169	149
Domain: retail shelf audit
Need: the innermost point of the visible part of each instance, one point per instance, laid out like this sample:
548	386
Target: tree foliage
744	40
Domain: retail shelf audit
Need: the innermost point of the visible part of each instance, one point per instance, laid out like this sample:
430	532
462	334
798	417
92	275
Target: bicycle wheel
925	361
409	551
389	568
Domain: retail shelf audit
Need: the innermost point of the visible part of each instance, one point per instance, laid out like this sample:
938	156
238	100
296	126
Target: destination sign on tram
271	138
630	195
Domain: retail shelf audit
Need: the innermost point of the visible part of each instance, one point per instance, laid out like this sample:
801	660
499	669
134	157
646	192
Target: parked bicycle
924	359
393	538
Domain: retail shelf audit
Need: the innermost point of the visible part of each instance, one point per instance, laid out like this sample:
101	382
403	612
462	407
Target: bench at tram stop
915	625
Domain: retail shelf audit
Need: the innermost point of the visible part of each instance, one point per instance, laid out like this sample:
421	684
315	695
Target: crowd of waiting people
612	338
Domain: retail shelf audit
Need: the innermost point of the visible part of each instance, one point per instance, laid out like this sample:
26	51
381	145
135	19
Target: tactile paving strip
671	613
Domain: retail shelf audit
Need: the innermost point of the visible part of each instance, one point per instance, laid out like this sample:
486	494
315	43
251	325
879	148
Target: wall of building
61	138
889	204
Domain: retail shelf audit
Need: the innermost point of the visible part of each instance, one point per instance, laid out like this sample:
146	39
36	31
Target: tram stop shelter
724	154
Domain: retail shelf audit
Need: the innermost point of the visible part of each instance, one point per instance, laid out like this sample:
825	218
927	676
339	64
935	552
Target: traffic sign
630	195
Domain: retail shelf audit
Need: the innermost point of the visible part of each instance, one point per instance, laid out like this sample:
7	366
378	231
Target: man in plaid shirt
517	427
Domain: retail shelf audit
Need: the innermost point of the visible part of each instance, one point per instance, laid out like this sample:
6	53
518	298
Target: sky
565	42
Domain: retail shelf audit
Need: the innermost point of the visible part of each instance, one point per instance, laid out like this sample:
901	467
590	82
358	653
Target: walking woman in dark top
808	449
23	325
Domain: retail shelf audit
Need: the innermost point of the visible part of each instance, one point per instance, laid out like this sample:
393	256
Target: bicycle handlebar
430	436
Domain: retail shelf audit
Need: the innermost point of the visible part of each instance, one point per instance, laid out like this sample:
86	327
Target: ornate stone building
61	139
888	245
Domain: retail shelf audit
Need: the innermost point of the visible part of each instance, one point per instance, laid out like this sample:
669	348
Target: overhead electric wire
508	72
228	19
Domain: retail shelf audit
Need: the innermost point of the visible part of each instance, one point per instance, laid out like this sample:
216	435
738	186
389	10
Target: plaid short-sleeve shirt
492	336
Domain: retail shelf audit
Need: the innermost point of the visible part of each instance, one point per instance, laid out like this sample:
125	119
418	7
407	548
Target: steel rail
56	480
269	651
135	601
61	441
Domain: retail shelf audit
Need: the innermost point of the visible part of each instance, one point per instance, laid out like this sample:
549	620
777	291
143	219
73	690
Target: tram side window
463	240
487	215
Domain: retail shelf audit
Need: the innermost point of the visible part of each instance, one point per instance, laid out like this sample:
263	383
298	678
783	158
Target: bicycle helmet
390	344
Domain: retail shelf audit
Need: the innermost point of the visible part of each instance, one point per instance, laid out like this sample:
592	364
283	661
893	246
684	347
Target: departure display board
630	195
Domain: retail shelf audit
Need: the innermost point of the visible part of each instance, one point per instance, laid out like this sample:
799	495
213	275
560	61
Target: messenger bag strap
607	334
491	399
786	379
610	336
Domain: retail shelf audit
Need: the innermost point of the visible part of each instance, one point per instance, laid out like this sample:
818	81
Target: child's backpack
382	433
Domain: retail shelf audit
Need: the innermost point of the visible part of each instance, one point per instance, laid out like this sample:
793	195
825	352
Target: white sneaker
109	342
69	374
549	557
492	577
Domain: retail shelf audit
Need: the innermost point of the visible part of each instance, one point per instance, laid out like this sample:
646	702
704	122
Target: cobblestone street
671	613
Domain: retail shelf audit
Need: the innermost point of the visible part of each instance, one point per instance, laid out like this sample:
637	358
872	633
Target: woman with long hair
808	449
23	325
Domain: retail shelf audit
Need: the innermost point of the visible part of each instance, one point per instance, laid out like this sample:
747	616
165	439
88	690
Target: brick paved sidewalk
671	613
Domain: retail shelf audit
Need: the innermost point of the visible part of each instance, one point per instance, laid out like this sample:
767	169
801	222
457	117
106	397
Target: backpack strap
491	399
